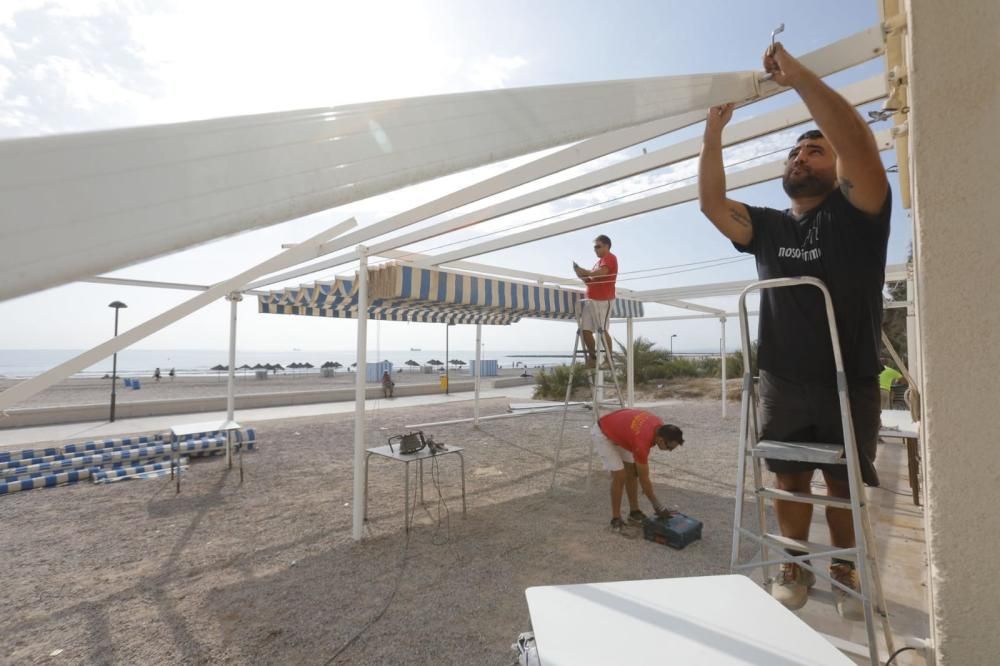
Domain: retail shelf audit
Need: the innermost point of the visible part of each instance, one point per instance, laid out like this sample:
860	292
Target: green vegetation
652	365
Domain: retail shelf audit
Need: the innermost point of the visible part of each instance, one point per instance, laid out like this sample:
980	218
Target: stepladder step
805	498
831	454
816	549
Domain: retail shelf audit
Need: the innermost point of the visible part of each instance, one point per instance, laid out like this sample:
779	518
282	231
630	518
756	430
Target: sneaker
636	517
791	587
848	606
617	524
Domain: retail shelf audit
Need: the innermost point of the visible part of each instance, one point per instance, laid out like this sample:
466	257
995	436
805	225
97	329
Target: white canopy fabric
75	206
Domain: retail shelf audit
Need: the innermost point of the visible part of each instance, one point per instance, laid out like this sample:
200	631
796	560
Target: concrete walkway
74	432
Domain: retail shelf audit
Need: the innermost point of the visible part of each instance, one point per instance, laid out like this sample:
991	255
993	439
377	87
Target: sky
88	65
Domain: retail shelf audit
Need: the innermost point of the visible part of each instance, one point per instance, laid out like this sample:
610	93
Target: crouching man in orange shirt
624	439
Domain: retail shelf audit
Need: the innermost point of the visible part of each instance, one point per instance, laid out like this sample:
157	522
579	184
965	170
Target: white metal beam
156	284
644	320
305	250
736	180
893	273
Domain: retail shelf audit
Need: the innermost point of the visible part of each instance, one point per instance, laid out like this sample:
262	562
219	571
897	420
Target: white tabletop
898	423
425	452
718	620
207	426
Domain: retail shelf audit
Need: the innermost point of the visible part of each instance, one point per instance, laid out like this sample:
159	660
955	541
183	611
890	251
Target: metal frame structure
330	157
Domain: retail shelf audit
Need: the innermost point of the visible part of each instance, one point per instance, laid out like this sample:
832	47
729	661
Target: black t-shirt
845	248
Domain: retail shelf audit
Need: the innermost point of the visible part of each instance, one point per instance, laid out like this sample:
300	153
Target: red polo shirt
631	429
602	288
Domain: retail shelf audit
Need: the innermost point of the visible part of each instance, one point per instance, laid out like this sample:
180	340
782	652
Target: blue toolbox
675	531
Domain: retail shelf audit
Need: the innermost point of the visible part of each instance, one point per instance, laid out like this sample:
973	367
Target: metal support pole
630	361
234	299
722	358
447	362
359	395
114	372
478	372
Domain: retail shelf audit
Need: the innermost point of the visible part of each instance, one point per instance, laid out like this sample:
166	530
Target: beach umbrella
218	368
244	368
307	365
434	361
277	366
294	366
412	363
328	364
456	361
260	366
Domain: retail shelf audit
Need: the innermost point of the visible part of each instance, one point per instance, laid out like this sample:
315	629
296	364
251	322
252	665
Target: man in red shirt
600	281
623	439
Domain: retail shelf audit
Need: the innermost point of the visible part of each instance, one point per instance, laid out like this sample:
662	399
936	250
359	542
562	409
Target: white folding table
718	620
183	430
898	424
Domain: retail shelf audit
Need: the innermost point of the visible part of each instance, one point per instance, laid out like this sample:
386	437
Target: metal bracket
894	25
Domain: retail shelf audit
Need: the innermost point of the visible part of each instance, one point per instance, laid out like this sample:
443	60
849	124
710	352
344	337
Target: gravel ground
266	572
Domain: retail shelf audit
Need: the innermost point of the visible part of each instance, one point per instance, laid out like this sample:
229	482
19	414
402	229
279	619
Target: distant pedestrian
172	374
156	374
387	385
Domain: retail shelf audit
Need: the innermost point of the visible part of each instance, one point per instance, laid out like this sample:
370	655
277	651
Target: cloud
494	71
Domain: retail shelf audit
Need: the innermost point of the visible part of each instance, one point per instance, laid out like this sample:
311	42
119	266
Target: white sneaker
791	586
848	606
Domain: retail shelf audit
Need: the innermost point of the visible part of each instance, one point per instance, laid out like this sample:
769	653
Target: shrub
550	384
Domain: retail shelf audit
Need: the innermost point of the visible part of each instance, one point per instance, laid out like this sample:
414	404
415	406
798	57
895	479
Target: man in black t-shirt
836	229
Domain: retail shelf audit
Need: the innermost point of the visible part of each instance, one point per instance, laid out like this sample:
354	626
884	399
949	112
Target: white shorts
595	315
613	456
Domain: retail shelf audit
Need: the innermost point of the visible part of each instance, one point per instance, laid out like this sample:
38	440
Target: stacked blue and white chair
146	456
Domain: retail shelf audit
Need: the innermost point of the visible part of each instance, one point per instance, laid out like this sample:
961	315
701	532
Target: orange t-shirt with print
631	429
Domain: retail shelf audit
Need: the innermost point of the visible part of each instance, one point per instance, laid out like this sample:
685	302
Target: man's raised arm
859	167
730	217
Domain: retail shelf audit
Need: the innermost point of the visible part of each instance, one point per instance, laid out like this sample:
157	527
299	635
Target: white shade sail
79	205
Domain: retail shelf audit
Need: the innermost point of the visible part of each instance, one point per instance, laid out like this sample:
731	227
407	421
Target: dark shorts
793	411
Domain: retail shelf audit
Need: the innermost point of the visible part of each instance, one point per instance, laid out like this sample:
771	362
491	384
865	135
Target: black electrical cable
892	657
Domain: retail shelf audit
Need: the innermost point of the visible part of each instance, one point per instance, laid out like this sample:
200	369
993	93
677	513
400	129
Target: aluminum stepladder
751	448
597	383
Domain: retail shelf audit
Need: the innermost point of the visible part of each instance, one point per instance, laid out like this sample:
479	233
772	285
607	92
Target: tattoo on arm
845	187
738	217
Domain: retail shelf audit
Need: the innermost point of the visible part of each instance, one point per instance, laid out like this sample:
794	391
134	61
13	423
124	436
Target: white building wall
954	51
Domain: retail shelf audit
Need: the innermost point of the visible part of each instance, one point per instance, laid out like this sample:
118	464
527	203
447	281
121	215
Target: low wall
37	416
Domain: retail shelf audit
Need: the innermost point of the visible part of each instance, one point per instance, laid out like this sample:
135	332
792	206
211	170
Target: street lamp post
117	305
672	343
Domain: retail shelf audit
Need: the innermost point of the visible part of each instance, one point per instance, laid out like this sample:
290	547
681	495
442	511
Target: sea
21	363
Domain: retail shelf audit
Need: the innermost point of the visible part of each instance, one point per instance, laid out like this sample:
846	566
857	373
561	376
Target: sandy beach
266	572
86	391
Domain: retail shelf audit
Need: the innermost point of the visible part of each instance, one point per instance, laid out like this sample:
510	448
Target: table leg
462	458
365	496
913	464
176	458
420	471
242	446
406	496
229	449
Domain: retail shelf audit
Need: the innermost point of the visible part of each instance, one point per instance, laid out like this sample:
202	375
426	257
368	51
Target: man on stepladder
623	439
600	281
836	229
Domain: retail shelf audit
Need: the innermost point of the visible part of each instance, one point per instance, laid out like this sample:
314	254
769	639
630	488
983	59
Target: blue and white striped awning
406	293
